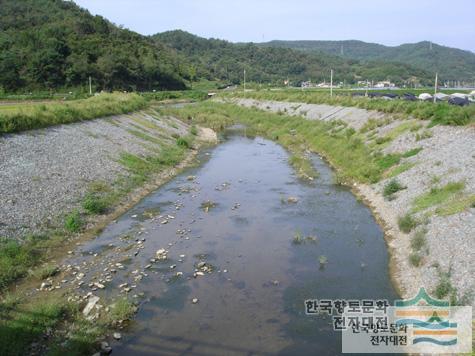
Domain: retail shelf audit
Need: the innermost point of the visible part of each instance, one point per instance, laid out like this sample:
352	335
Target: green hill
451	63
49	44
226	61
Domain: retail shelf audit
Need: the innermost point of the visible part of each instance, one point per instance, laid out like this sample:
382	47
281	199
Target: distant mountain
226	61
48	44
451	63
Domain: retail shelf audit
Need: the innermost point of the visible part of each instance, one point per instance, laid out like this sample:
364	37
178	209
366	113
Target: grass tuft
392	187
407	223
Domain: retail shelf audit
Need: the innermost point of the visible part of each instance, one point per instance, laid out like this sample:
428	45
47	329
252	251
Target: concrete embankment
436	175
45	174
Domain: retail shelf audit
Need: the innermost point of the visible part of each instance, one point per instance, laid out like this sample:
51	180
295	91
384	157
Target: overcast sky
387	22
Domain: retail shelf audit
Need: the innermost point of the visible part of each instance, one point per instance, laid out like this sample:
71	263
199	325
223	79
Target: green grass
392	187
401	168
439	113
396	132
412	152
122	309
46	271
387	161
344	149
20	326
437	196
23	322
193	131
457	204
184	142
303	166
407	223
191	95
34	116
16	259
145	137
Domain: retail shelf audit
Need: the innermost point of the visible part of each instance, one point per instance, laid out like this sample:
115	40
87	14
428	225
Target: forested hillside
451	63
218	59
54	44
46	44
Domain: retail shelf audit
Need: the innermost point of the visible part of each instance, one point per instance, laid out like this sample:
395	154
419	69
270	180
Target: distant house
385	84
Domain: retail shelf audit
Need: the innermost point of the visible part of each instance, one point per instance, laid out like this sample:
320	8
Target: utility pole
435	86
244	80
90	85
331	83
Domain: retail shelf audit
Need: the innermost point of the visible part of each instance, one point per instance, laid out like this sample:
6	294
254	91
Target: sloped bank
63	182
419	181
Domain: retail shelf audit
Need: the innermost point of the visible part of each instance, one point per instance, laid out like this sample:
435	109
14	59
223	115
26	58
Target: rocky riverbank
435	191
45	174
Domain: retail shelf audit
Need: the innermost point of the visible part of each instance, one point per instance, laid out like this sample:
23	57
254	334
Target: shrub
392	187
73	222
407	223
419	240
415	259
444	287
93	204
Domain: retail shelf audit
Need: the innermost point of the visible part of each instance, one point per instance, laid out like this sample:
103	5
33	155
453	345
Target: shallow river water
252	302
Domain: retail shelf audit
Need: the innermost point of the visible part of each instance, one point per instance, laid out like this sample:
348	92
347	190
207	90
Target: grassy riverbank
341	145
438	113
21	117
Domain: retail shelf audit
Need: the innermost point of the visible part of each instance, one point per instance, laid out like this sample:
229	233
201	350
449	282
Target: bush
407	223
183	142
419	240
415	259
392	187
93	204
444	287
73	222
